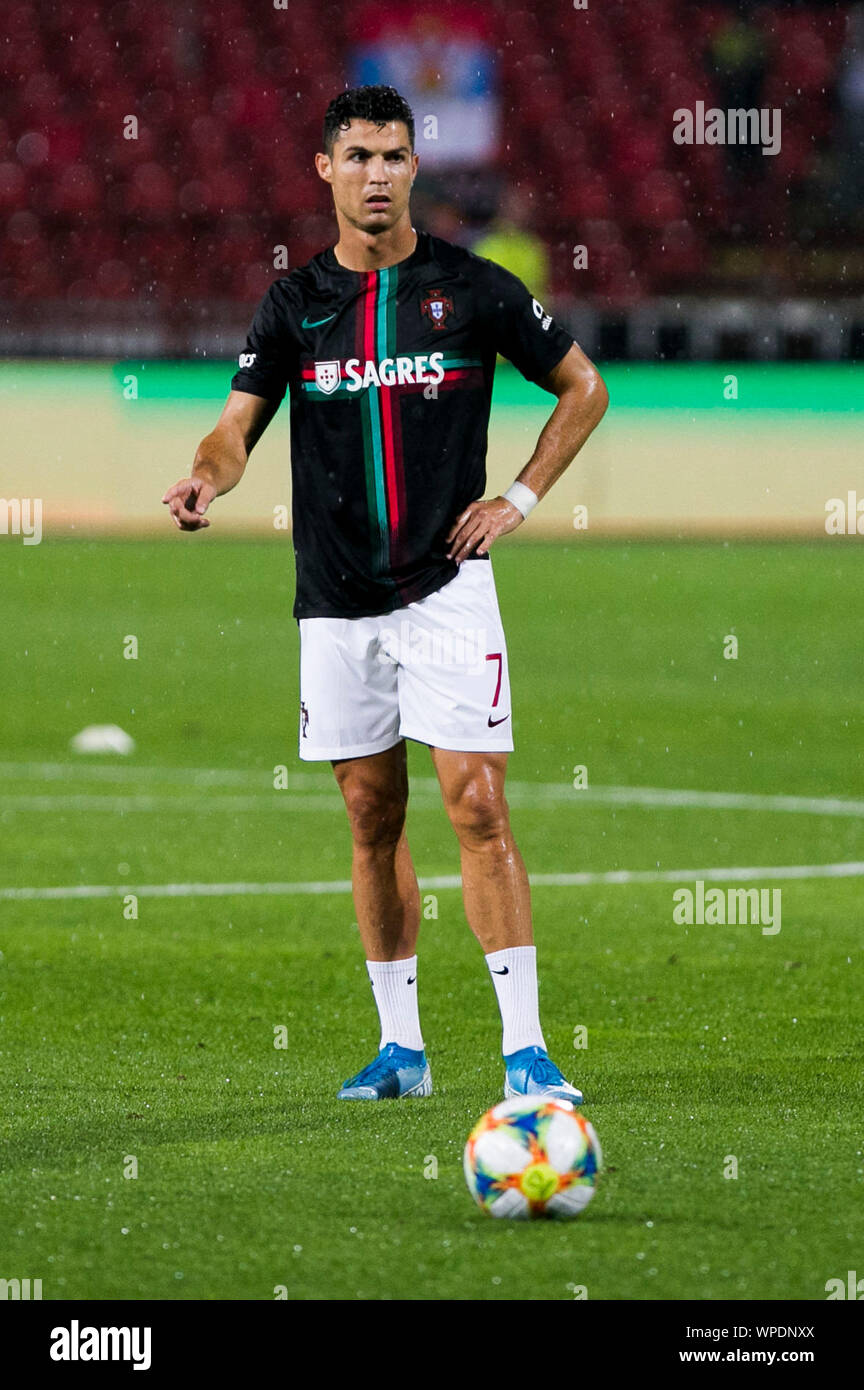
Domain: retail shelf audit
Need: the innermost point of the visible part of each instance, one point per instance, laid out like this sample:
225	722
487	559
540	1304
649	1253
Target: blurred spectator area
226	101
593	142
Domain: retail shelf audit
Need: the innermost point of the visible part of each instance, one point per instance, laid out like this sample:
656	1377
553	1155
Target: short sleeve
265	363
518	326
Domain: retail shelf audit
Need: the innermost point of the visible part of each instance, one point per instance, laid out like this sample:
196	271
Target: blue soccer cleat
531	1072
396	1072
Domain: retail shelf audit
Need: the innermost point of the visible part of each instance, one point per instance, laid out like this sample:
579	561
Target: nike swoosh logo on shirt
307	323
493	722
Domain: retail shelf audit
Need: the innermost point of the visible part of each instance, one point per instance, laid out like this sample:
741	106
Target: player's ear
324	166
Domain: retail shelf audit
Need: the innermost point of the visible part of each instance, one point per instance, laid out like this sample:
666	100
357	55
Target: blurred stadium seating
170	236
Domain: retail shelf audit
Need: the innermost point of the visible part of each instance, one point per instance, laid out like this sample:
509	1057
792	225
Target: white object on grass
102	738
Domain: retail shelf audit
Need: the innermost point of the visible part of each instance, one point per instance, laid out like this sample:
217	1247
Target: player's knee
376	815
479	813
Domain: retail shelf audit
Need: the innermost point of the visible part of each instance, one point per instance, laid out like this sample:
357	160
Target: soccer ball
532	1157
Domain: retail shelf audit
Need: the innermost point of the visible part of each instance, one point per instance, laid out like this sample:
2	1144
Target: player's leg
494	881
498	908
454	694
349	716
387	903
386	896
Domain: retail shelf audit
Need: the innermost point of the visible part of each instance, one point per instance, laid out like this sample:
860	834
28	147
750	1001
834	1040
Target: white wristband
523	499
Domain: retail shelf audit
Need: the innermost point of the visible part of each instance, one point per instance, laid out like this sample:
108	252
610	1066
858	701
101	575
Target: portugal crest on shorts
435	307
327	376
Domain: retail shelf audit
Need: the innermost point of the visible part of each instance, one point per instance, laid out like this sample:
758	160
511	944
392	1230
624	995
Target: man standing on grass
387	343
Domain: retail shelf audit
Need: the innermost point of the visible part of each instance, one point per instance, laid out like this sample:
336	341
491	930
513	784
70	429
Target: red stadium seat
674	255
637	150
152	192
656	200
14	187
562	140
587	197
77	191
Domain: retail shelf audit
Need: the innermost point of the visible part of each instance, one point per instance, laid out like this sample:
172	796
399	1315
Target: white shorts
434	671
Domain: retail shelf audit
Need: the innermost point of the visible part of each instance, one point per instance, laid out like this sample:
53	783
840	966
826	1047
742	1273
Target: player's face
371	173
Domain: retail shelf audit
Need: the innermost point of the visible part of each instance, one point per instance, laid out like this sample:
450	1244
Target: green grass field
153	1038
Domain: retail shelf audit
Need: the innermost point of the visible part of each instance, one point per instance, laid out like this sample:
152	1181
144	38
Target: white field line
318	792
189	776
580	880
120	805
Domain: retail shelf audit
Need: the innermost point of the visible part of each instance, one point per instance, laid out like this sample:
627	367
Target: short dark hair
377	104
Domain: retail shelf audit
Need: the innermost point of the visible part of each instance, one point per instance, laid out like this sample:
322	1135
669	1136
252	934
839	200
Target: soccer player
387	343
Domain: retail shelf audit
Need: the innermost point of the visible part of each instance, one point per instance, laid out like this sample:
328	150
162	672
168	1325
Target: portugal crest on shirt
435	307
327	376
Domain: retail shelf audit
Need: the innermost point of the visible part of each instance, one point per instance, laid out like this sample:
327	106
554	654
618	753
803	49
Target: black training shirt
390	375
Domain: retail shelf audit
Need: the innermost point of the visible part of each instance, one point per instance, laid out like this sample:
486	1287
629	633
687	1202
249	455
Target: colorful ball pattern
532	1157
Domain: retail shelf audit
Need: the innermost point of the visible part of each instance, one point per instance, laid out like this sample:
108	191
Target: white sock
514	975
394	984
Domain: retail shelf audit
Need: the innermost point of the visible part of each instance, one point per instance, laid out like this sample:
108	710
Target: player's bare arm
582	402
220	460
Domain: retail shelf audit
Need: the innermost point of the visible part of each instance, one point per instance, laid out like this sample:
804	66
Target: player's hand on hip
479	525
187	501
